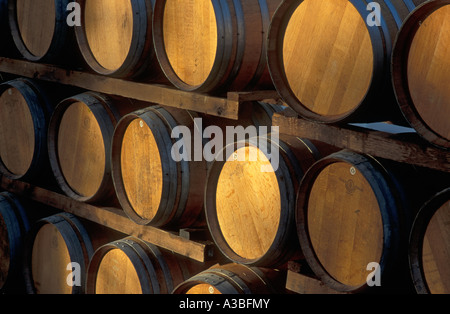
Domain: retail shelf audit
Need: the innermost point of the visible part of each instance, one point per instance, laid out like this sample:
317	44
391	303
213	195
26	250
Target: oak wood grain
428	71
36	22
17	136
109	31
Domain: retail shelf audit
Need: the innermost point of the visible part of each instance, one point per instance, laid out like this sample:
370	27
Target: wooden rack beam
226	107
403	147
112	218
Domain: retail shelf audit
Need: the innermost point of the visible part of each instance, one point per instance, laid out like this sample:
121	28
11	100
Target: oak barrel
234	279
331	63
14	225
420	71
40	30
52	244
115	37
250	199
429	246
353	210
153	187
133	266
25	111
79	144
212	45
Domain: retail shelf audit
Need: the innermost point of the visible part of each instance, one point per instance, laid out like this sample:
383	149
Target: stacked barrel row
330	208
58	253
331	61
90	147
339	211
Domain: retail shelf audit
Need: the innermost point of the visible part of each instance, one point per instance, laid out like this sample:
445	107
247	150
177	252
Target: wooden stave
141	60
416	238
254	113
146	274
235	279
20	225
76	238
62	39
396	218
285	245
159	270
399	70
107	116
230	50
379	103
178	205
41	108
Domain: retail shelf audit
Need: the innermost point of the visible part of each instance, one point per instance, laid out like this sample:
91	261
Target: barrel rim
224	49
107	125
60	33
170	193
262	66
391	228
141	43
135	252
37	105
276	65
283	230
70	228
399	79
218	281
417	235
19	209
221	277
233	278
157	268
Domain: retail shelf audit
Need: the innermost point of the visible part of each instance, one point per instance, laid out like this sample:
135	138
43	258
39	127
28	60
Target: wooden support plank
112	218
404	147
302	284
152	93
253	96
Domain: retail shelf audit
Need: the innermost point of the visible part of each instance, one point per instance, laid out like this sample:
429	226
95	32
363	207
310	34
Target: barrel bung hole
344	223
141	169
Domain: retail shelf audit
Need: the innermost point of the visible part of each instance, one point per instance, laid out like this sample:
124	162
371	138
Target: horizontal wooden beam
401	147
112	218
303	284
226	107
